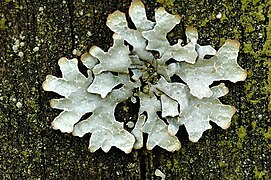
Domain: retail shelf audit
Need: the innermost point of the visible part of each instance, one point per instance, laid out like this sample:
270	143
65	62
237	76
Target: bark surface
31	149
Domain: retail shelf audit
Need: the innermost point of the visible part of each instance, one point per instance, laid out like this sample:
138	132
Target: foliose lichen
138	73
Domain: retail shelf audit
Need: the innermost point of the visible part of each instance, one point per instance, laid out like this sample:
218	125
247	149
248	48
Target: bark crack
71	20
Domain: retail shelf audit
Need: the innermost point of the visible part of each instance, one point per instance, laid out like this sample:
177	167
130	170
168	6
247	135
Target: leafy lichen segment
155	127
138	15
138	133
78	101
111	81
115	60
135	73
200	111
156	37
200	75
89	61
117	23
176	91
73	86
105	132
189	52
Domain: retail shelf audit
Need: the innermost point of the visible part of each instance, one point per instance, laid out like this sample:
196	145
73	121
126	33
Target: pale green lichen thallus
192	104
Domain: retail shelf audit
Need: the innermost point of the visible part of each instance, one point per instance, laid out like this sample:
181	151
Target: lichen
267	135
143	71
166	3
242	132
2	23
259	174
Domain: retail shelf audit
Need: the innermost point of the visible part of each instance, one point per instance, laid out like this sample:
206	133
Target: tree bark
31	149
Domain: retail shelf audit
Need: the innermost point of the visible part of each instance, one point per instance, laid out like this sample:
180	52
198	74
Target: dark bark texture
31	149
